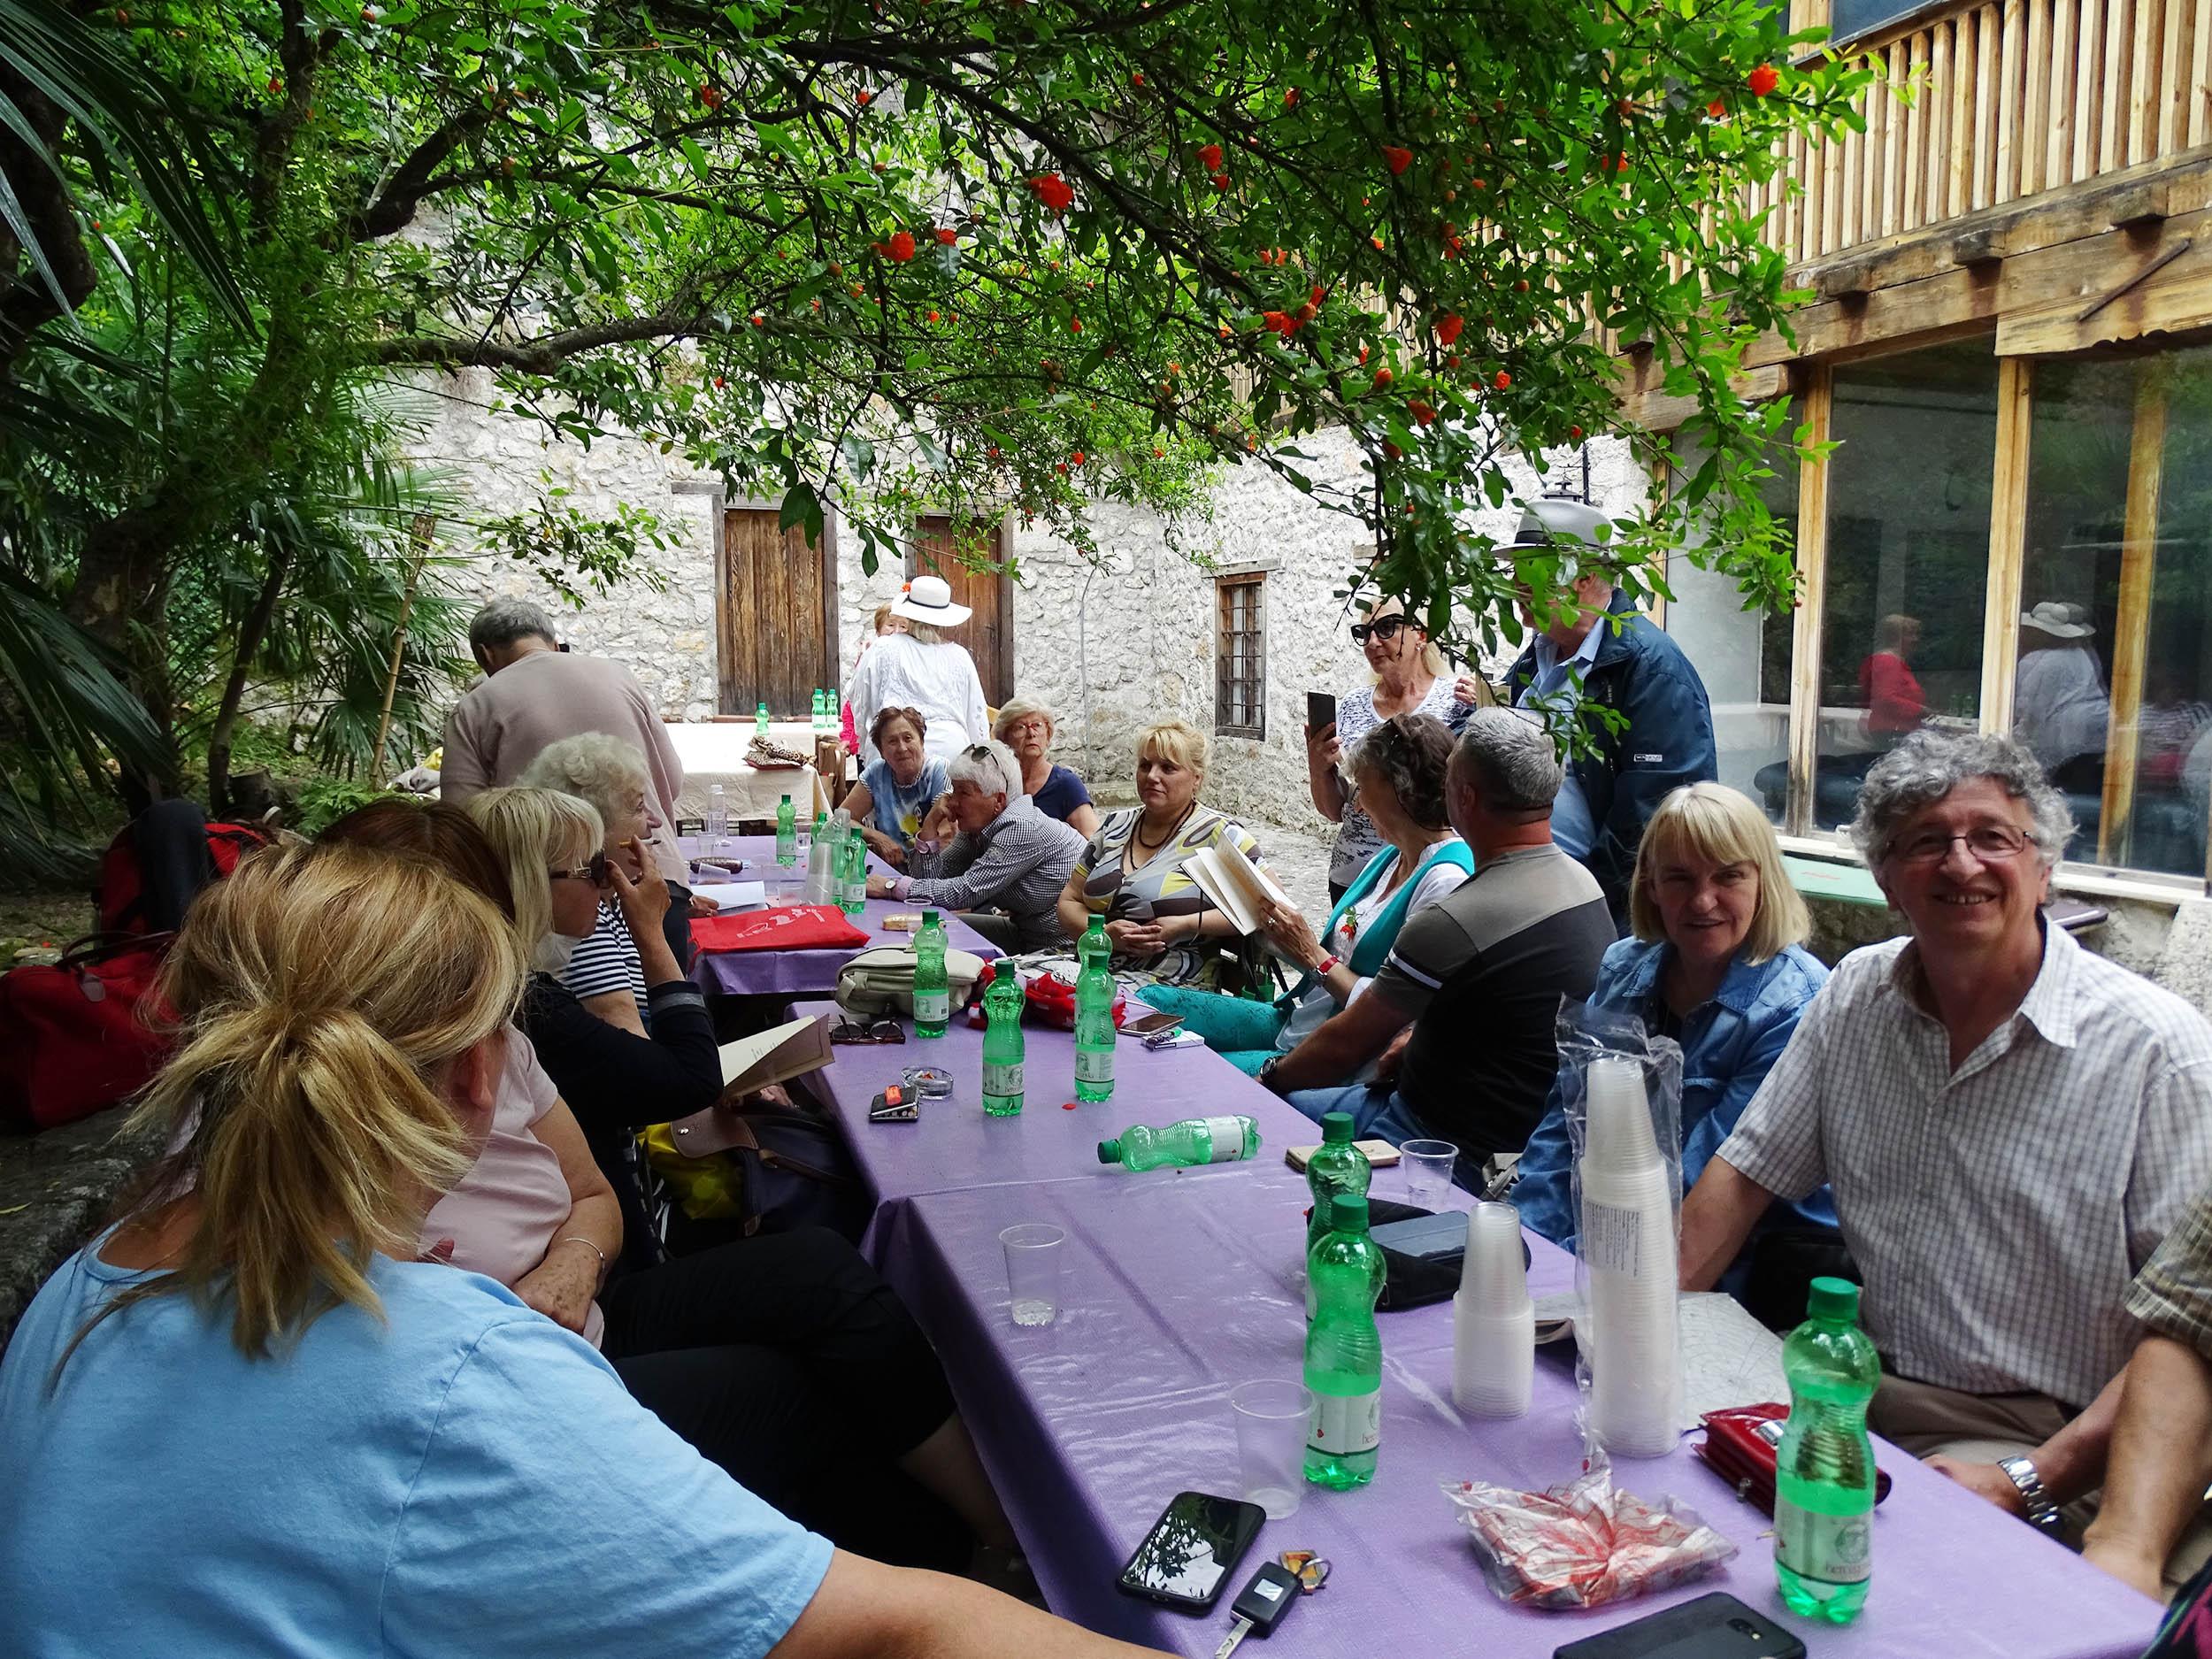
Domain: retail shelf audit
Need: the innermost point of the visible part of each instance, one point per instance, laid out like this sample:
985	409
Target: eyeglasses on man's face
1383	628
1991	843
593	871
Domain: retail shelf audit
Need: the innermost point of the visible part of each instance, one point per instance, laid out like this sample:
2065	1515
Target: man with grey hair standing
534	695
1480	973
2009	1124
1007	856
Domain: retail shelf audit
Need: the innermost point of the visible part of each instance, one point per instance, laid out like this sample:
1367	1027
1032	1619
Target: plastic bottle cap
1833	1299
1339	1128
1348	1212
786	800
1110	1151
928	917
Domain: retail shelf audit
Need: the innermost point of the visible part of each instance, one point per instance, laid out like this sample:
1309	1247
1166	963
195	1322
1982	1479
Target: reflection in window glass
1741	652
1907	565
2115	666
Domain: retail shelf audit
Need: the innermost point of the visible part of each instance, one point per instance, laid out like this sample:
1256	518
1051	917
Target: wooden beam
2088	54
2010	139
2131	641
2007	540
2058	150
2113	133
2169	294
1812	569
1958	195
1644	402
2036	118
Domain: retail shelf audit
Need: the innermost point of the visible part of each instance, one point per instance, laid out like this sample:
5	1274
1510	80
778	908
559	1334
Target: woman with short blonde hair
607	969
1133	871
1716	963
1027	726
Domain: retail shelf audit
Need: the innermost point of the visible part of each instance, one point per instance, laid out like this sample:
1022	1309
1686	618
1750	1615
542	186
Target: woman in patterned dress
1410	679
1133	871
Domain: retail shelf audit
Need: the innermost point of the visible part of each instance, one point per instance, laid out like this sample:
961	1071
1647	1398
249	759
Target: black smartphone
1715	1626
1320	710
1191	1550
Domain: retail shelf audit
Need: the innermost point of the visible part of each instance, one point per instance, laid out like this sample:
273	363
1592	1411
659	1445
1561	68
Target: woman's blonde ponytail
317	996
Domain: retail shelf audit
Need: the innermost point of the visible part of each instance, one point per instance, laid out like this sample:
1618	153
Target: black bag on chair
759	1169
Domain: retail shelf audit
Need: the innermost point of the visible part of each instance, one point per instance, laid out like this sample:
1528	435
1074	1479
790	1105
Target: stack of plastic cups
1627	1243
1493	1323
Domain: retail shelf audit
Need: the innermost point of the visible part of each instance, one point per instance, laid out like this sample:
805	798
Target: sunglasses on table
851	1030
1383	628
593	871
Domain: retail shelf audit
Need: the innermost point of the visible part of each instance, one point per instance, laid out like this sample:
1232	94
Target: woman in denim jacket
1715	963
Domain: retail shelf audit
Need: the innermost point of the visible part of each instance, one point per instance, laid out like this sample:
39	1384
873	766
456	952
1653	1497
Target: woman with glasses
1003	868
1398	778
1026	726
1717	962
767	1354
605	965
1409	678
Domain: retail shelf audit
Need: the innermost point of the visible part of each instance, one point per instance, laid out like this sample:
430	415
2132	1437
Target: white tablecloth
714	752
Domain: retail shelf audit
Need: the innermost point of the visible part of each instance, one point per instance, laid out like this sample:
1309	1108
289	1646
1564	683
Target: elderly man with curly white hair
2009	1124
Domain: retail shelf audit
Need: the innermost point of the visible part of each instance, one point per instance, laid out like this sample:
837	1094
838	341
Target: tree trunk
250	634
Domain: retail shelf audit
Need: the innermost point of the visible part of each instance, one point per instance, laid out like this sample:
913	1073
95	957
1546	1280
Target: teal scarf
1372	946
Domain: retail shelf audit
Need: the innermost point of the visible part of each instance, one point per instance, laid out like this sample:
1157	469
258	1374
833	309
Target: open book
773	1056
1240	888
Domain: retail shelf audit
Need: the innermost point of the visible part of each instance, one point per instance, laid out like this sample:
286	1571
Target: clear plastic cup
1035	1256
1272	1420
1428	1170
1620	1133
1494	1275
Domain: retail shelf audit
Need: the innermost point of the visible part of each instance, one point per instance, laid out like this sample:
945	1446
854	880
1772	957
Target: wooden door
989	633
775	615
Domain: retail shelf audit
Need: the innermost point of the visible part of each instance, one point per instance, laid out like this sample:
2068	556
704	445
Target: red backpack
76	1033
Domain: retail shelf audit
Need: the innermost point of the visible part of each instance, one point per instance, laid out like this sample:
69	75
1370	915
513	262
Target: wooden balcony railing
1982	104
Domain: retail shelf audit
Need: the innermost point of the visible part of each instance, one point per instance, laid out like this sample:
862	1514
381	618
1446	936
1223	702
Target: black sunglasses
593	871
1384	628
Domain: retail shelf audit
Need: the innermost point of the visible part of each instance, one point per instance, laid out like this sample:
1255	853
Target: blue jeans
1382	1111
1375	1111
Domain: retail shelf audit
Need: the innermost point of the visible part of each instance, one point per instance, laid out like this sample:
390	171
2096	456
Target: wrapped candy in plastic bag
1622	1093
1586	1543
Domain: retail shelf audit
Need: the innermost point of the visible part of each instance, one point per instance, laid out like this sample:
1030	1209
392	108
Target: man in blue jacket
1589	645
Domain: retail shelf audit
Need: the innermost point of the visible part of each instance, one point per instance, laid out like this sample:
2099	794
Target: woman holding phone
1409	678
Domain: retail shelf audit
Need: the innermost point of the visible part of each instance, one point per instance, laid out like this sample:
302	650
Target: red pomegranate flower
1764	79
1398	156
1054	191
1447	328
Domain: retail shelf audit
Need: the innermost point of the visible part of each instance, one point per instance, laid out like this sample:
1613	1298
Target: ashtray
927	1082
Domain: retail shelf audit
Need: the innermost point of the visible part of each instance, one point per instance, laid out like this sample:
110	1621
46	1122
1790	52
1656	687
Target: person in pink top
1894	703
534	695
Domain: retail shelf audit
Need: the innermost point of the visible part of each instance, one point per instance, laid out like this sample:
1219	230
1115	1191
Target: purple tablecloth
1182	1283
954	1145
802	972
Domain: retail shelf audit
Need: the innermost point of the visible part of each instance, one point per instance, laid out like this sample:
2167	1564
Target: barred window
1241	657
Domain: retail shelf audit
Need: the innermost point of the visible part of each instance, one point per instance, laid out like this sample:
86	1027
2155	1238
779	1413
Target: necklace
1136	830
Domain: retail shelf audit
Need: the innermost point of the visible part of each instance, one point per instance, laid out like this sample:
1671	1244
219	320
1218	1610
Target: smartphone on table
1191	1551
1715	1626
1320	710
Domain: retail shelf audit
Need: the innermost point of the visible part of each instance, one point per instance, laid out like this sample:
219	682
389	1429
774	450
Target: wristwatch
2042	1513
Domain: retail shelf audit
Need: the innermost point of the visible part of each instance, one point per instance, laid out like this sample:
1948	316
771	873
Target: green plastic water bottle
760	721
1004	1048
1193	1141
1094	1014
1823	1475
786	835
1344	1349
1338	1167
850	871
820	702
933	994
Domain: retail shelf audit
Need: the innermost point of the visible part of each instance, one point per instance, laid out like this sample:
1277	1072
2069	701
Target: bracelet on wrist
1327	966
577	1238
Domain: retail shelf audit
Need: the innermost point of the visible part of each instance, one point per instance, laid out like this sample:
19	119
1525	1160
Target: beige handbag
881	980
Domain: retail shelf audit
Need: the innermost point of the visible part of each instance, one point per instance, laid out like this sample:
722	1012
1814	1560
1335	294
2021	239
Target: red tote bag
787	927
74	1033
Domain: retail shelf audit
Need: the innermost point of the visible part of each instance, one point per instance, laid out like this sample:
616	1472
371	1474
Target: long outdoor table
1182	1283
954	1145
801	973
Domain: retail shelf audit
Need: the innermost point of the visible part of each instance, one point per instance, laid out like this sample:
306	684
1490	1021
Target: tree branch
395	205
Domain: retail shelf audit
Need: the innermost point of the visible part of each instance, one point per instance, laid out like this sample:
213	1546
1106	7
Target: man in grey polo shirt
2009	1124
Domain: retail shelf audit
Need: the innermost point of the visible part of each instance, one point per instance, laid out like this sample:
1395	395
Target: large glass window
1742	652
1907	558
2114	686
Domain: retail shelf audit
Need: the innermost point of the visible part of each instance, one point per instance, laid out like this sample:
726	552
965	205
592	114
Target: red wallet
1739	1447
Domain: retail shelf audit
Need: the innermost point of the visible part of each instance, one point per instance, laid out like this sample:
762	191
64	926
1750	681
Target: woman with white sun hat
916	667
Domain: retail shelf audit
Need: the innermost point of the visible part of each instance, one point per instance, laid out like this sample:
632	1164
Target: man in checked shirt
2009	1124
